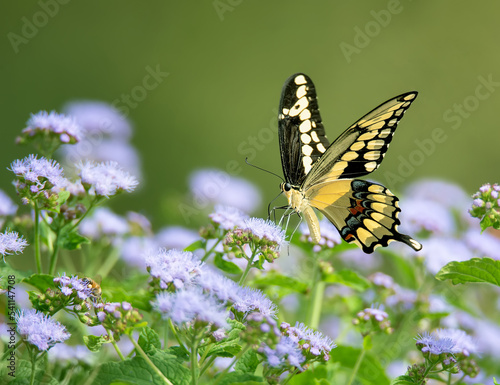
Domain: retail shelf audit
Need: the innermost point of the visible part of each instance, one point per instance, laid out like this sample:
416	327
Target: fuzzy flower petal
106	179
249	300
37	172
228	217
265	229
64	126
11	242
39	329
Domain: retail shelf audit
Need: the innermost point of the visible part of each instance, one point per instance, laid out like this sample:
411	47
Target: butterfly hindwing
301	132
362	147
364	213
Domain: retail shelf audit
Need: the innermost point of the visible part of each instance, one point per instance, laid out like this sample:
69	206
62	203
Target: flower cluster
228	217
39	329
314	345
117	317
372	320
172	268
11	242
53	128
486	206
38	179
105	179
330	236
262	235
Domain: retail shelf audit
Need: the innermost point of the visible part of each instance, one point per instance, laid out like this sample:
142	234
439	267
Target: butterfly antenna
262	169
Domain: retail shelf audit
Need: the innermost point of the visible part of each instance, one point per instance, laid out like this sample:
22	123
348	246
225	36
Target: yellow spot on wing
300	79
305	126
357	146
368	135
372	155
301	91
304	115
305	138
351	155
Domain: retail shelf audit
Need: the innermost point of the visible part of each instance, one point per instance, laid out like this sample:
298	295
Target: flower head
63	127
74	285
7	207
191	304
228	217
251	300
106	179
36	174
447	194
104	223
286	353
39	329
11	242
433	344
173	267
176	237
311	341
422	214
373	319
223	288
265	229
463	343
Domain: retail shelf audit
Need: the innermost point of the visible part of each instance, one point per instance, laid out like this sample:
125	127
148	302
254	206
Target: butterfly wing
301	134
364	213
362	147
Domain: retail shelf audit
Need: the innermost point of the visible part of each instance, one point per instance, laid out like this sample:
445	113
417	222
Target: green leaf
230	345
348	278
474	270
277	279
149	339
138	372
23	374
486	222
370	370
317	376
403	380
248	362
240	378
94	343
228	267
199	244
6	270
71	240
41	281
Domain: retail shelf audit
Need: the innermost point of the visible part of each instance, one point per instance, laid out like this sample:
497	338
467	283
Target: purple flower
315	342
447	194
250	300
286	353
74	284
139	223
39	329
210	186
485	188
176	237
228	217
439	251
219	286
7	207
330	236
68	130
478	202
432	344
173	266
38	172
106	179
104	223
405	297
484	244
134	250
191	304
99	118
381	279
11	242
267	229
373	312
462	342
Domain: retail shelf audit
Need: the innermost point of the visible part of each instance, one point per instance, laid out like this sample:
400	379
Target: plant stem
38	255
149	362
247	269
356	366
109	263
236	358
207	253
207	365
194	359
33	368
318	288
53	257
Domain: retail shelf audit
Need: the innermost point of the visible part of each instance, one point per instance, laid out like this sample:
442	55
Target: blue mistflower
39	329
70	285
216	284
191	304
65	127
228	217
173	266
38	174
463	343
7	207
106	179
11	242
253	300
313	341
267	229
104	224
286	353
433	344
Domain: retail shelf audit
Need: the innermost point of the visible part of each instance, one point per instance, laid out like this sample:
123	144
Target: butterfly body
323	176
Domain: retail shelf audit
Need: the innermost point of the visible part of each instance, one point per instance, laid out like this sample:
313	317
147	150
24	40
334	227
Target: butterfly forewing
301	133
362	147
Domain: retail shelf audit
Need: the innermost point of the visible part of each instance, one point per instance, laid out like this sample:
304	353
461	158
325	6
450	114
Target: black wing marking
362	147
301	134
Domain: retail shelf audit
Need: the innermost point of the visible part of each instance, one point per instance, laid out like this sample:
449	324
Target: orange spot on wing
358	208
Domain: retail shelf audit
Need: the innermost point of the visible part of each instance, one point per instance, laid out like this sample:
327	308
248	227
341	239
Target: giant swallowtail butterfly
320	175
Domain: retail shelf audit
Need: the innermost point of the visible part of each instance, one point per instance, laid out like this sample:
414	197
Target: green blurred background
227	61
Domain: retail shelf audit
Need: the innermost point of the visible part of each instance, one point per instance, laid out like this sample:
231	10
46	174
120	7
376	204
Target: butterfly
321	175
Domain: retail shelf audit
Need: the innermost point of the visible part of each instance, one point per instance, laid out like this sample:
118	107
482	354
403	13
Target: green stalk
194	360
247	269
149	362
53	257
235	359
318	288
207	253
357	365
38	255
33	368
